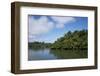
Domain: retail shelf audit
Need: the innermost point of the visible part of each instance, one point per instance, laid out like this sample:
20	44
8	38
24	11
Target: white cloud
43	25
39	26
62	20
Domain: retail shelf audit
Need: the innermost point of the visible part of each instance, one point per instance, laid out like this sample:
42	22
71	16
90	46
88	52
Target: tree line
71	40
37	45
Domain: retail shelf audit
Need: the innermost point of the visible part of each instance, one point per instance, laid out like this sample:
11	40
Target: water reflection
48	54
69	54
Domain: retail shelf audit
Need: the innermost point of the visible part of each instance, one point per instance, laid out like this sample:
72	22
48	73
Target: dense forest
37	45
71	40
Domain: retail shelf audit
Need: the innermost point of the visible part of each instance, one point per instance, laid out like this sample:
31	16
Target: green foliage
72	40
39	45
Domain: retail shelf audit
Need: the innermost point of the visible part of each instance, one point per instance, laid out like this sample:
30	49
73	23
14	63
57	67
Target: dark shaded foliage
39	45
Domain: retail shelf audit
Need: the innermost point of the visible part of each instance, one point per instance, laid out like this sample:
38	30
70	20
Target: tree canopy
37	45
72	40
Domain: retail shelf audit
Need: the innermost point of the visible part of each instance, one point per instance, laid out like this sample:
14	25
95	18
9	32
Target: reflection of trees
69	54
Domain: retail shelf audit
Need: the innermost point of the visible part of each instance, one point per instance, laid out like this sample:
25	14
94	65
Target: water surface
48	54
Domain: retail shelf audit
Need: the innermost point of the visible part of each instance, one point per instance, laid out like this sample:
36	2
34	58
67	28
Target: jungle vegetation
71	40
39	45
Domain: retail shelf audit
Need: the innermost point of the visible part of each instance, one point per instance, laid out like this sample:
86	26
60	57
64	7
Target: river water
48	54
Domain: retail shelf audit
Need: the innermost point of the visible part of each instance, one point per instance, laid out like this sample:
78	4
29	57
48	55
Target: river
48	54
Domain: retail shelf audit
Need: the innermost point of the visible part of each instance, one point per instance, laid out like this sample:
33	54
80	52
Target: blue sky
49	28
